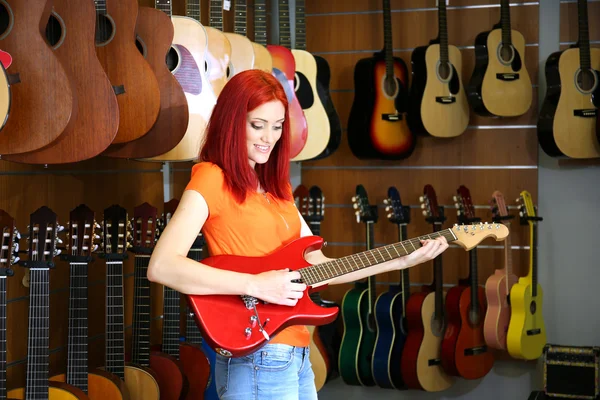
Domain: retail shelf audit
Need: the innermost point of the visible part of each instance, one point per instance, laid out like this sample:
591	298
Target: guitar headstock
81	234
116	232
43	239
168	211
397	213
364	211
316	204
145	228
527	211
9	246
469	236
464	205
431	210
301	199
498	207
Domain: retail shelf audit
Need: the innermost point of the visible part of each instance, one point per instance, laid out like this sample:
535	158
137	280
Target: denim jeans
275	372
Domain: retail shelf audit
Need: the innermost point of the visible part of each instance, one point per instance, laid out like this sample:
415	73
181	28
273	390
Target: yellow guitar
526	335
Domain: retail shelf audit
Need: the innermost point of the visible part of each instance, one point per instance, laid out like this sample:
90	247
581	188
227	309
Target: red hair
225	140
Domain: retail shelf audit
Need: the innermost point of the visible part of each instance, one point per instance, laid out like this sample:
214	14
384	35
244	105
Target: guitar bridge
251	303
533	332
473	351
508	76
586	113
391	117
445	99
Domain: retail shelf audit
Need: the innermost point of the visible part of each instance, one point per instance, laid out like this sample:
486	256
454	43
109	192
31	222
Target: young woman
239	195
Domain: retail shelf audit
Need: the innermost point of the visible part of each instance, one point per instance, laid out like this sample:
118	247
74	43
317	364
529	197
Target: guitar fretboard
77	359
239	19
260	22
216	14
505	22
39	333
170	331
404	274
300	26
140	349
100	6
3	388
474	279
443	33
115	341
584	35
387	36
193	9
534	265
285	38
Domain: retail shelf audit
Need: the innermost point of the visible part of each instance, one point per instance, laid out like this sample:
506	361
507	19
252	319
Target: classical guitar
306	91
116	239
41	104
262	57
80	246
311	209
284	69
240	335
168	372
425	318
390	309
358	309
192	359
500	84
218	58
567	121
186	59
155	32
526	335
438	103
377	125
43	238
9	247
136	86
472	358
499	285
95	119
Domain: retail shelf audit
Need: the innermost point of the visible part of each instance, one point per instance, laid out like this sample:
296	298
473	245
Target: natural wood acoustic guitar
5	90
262	57
219	53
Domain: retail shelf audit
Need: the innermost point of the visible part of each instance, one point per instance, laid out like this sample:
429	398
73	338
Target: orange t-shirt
258	227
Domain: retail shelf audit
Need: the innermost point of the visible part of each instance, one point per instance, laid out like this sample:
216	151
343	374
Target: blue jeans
275	372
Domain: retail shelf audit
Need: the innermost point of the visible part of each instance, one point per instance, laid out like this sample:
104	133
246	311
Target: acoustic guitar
116	240
192	359
472	358
167	370
41	104
567	121
9	247
136	86
358	309
284	69
335	126
390	309
306	91
95	119
377	125
499	285
500	84
5	91
218	58
438	103
425	317
43	237
155	33
526	335
262	57
80	246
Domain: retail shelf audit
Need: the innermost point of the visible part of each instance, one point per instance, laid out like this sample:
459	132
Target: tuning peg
60	228
353	198
94	248
424	213
14	259
421	198
387	208
423	206
454	198
518	200
57	252
386	201
355	206
58	240
390	215
458	212
15	247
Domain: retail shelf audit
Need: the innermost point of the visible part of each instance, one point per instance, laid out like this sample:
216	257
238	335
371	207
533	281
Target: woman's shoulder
206	167
206	175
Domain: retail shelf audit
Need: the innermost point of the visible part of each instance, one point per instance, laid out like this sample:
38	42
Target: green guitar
358	310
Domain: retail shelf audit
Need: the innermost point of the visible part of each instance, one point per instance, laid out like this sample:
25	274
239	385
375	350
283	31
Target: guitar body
390	340
218	58
414	339
56	391
5	95
497	87
472	358
567	123
124	65
262	58
498	312
453	324
172	382
242	53
155	35
526	336
101	385
283	60
42	104
437	108
354	358
196	369
96	117
318	357
141	383
335	127
314	112
371	134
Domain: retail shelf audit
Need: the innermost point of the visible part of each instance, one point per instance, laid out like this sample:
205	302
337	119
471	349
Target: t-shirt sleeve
207	179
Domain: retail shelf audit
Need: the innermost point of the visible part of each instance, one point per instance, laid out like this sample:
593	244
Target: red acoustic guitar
250	323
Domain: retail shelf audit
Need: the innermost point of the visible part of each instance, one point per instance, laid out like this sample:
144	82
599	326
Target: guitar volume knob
247	332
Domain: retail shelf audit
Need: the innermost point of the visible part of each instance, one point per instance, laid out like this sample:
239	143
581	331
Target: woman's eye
278	127
256	126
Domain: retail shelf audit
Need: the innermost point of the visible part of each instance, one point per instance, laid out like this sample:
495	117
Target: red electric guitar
251	323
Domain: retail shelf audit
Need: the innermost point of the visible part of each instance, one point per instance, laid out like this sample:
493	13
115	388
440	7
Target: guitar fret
584	35
100	6
505	21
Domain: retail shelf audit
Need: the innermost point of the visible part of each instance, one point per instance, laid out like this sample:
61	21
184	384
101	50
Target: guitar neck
192	334
584	35
387	36
507	257
315	227
216	14
141	312
372	280
115	338
443	31
505	22
404	274
285	36
438	273
239	20
170	330
166	7
474	280
260	22
100	7
3	388
39	332
77	361
533	267
300	26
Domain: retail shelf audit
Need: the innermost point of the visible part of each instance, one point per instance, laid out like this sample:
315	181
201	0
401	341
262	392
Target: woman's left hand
430	250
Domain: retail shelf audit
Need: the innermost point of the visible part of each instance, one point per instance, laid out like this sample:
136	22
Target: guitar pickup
445	99
586	113
434	361
533	332
473	351
391	117
508	76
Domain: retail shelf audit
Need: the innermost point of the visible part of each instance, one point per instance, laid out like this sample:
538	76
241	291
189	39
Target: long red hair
225	140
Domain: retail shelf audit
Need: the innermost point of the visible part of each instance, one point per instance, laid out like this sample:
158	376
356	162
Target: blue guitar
391	326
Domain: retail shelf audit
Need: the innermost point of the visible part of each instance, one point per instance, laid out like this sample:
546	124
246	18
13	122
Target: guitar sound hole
506	53
54	31
5	18
532	307
371	322
173	59
104	29
444	71
437	326
585	79
390	87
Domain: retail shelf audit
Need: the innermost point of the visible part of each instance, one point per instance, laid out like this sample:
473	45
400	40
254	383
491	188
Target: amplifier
571	372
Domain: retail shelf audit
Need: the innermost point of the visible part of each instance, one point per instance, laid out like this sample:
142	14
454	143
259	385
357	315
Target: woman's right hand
276	287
